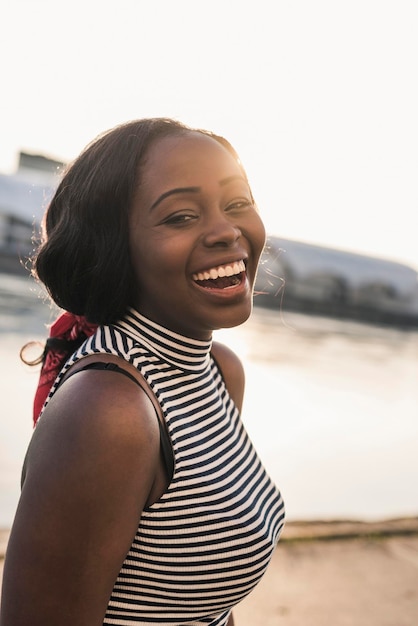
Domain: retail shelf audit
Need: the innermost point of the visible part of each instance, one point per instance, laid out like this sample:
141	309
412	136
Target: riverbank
343	573
340	573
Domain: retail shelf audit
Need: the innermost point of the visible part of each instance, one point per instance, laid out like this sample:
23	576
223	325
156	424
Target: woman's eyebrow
231	179
172	192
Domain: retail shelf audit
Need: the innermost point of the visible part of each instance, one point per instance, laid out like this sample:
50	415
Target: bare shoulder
232	371
99	428
96	410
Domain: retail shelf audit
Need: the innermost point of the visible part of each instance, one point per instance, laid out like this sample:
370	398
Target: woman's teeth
221	271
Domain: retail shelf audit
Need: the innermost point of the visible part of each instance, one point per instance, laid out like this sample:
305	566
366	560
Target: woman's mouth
222	276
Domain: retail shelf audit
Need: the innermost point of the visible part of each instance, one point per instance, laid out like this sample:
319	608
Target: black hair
84	260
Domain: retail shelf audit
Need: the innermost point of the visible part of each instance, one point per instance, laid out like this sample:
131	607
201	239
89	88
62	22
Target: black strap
166	448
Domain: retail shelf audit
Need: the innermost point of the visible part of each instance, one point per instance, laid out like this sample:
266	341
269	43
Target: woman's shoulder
102	390
98	411
231	369
221	352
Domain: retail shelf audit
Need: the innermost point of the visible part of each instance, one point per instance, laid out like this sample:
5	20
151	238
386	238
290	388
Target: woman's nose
221	232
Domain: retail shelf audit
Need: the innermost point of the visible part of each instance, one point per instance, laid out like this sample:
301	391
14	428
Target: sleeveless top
205	544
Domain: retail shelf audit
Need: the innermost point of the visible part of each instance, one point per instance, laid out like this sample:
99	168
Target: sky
319	97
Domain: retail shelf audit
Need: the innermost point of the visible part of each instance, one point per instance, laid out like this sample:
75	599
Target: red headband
67	327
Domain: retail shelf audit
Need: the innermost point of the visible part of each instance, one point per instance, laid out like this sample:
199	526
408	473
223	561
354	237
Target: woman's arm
91	466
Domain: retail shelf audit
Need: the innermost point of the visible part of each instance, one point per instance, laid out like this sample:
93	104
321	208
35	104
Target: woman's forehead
187	157
191	161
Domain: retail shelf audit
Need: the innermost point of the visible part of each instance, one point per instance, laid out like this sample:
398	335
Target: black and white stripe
207	541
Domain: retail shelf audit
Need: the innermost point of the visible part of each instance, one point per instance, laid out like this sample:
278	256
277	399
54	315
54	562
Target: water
331	406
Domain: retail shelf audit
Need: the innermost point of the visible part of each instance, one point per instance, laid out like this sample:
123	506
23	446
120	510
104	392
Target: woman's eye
179	219
239	205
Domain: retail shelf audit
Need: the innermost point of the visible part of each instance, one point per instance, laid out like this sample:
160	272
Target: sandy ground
339	574
336	574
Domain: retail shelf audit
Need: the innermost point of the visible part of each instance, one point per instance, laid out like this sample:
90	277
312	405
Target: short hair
84	258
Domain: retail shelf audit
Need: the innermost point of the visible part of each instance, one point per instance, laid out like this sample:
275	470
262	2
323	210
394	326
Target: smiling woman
143	499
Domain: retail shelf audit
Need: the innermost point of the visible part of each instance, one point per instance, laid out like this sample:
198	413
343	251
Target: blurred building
313	279
23	199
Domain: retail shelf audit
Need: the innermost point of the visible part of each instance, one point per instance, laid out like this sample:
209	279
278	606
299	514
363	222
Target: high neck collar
183	352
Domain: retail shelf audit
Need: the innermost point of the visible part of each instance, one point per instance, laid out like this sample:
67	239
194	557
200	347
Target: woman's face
195	237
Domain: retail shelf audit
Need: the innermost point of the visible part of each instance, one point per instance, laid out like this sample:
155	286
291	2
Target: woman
143	500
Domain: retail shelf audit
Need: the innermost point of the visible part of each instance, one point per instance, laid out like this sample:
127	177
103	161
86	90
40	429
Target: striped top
205	544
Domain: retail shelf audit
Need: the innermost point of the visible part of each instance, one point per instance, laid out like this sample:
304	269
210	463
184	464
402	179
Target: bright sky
320	98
